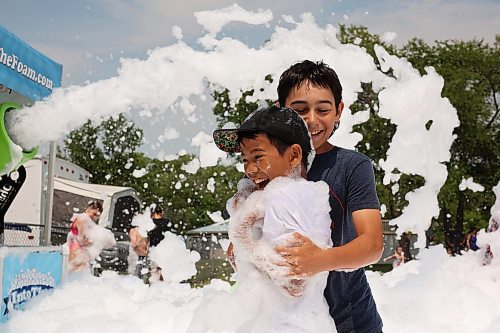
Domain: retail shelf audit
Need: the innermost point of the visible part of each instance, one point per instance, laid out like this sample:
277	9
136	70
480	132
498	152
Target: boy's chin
263	184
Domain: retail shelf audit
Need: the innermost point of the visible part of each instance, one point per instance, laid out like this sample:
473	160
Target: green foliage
360	35
225	111
471	72
187	196
107	150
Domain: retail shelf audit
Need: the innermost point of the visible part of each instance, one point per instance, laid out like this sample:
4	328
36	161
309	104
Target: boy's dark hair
317	74
280	145
95	205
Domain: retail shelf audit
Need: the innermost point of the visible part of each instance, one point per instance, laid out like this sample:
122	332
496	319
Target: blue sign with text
26	275
25	70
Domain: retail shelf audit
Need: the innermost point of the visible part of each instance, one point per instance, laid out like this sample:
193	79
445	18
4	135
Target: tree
108	151
225	111
189	197
471	71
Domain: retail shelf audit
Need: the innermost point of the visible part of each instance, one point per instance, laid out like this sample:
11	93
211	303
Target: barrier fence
20	234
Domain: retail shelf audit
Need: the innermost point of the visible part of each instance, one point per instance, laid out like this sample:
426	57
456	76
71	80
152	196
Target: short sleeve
284	210
361	191
299	208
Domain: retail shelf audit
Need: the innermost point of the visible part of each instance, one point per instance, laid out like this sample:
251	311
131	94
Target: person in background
398	256
493	226
455	241
162	225
472	239
156	235
430	237
405	243
138	262
77	238
488	255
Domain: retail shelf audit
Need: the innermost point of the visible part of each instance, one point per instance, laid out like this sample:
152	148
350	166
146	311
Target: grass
208	269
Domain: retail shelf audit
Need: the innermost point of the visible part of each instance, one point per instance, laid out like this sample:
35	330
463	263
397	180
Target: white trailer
72	193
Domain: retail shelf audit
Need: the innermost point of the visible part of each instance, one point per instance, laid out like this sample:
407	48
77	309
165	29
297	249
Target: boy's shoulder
294	187
339	157
351	155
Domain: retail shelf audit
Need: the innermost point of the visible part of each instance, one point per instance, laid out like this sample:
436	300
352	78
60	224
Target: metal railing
20	234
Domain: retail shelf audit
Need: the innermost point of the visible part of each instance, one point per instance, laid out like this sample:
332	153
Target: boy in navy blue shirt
315	92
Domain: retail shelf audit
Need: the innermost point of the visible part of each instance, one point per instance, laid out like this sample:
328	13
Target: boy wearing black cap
272	203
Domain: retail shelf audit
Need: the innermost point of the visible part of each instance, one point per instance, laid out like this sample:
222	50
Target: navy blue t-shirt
352	187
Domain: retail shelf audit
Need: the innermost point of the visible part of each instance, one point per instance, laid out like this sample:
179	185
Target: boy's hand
303	257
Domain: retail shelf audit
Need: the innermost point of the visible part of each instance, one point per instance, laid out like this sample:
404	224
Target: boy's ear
295	154
340	109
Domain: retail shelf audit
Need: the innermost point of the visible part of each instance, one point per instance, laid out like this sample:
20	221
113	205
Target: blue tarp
25	70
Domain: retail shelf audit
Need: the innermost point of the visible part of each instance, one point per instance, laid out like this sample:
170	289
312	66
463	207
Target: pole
49	194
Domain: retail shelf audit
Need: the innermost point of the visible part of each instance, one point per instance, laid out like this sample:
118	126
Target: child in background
86	239
398	256
488	255
138	261
471	240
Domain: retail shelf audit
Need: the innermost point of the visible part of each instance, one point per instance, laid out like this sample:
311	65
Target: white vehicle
72	193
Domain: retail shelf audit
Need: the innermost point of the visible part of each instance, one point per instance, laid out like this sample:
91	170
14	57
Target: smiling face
316	105
263	162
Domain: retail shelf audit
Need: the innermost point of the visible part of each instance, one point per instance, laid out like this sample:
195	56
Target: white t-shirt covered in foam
287	205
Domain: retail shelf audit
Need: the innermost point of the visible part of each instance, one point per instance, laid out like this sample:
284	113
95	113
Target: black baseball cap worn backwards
280	122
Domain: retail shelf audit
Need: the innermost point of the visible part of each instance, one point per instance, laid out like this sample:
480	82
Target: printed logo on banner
26	274
26	286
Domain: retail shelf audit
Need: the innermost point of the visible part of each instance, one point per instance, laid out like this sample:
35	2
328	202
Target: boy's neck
327	149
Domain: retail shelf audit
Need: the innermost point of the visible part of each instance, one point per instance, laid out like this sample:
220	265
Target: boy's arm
243	231
139	243
389	257
366	248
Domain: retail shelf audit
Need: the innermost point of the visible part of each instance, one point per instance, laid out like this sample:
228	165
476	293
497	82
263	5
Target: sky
89	37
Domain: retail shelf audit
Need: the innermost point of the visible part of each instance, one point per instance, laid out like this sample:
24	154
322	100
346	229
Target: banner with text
25	70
